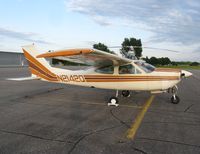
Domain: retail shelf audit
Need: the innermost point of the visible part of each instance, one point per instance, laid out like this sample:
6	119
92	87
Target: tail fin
39	67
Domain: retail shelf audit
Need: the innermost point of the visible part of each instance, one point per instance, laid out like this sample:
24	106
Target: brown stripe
124	80
34	61
132	77
136	78
41	71
121	76
41	75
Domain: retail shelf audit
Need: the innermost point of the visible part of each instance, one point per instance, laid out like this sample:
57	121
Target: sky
59	24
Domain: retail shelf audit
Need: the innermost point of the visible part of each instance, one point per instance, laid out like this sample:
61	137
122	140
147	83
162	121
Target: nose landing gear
174	99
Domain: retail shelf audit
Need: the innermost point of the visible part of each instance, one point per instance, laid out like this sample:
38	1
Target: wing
87	56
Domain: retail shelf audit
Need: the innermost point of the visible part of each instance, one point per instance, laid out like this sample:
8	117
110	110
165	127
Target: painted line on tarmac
130	134
102	104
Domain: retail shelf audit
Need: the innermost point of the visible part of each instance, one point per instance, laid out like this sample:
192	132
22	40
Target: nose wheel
174	99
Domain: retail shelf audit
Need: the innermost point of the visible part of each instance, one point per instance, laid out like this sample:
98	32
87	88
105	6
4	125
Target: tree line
158	61
135	45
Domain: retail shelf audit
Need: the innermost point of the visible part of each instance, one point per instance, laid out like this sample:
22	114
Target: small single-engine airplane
109	71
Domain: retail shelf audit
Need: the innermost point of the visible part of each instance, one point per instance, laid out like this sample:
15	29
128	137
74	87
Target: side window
127	69
105	70
137	71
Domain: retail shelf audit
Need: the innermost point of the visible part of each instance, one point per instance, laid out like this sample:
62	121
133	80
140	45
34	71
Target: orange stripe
121	76
131	77
125	80
69	52
159	78
41	71
33	71
34	61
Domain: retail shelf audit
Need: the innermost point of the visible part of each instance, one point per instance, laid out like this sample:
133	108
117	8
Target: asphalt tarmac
39	117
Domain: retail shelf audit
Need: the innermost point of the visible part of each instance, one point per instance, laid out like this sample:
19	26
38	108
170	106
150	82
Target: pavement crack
168	141
33	136
118	119
139	150
188	107
41	93
88	134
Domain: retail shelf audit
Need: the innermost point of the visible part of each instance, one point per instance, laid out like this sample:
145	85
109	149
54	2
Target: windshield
145	66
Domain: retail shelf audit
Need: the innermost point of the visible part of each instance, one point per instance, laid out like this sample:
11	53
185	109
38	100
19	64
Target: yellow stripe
132	131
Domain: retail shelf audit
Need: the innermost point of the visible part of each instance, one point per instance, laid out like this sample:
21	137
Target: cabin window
137	71
105	70
128	69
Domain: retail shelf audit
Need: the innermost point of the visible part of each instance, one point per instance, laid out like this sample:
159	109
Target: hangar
12	59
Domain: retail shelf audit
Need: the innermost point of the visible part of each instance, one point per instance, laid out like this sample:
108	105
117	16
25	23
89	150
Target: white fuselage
153	81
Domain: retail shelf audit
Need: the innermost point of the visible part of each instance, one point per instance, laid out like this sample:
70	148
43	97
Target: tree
134	43
102	47
194	64
158	61
153	61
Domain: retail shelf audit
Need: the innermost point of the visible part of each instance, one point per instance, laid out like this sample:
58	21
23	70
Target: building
12	59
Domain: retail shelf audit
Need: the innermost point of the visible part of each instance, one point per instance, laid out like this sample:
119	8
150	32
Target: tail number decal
71	78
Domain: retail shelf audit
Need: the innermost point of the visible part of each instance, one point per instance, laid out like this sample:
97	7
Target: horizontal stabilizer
24	78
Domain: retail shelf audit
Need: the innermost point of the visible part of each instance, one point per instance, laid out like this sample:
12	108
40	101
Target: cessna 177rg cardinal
108	71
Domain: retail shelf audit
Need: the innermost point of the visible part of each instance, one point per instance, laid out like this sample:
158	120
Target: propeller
147	48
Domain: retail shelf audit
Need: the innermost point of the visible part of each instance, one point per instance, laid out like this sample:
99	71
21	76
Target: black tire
112	99
176	100
125	93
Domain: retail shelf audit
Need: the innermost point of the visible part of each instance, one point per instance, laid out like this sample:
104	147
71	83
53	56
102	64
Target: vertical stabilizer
38	66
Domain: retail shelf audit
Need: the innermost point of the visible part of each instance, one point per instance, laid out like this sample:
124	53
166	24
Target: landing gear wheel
175	99
126	93
113	101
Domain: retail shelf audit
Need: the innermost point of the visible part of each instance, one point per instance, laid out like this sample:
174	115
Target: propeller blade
148	48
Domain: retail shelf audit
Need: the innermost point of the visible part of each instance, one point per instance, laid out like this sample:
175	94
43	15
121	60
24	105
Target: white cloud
101	20
172	21
21	36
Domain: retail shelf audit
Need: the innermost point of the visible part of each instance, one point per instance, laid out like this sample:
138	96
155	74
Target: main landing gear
126	93
114	100
174	99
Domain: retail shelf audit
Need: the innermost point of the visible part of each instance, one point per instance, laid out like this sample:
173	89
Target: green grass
182	67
